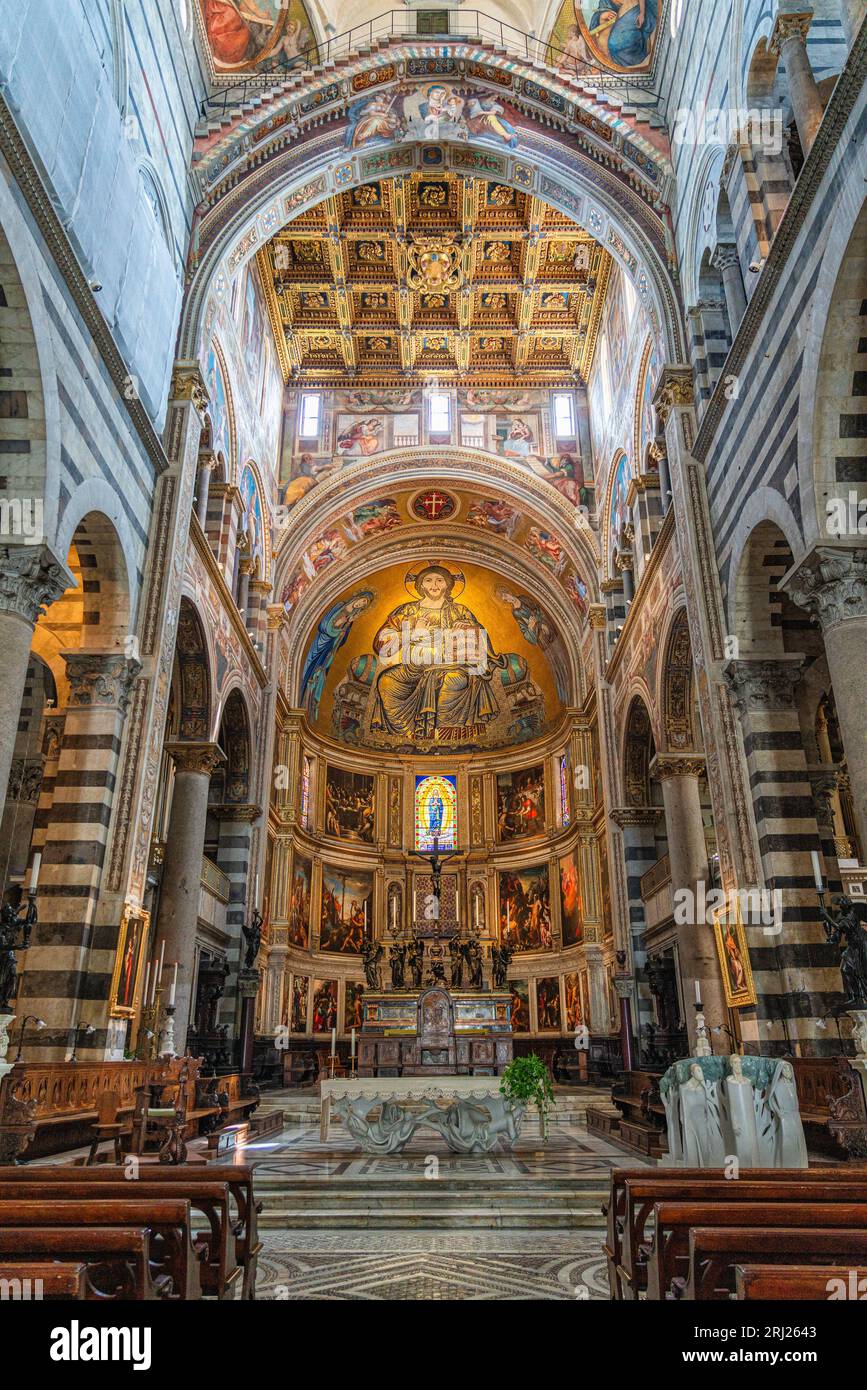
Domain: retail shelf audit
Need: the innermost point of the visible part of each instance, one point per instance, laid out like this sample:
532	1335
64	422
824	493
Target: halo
412	577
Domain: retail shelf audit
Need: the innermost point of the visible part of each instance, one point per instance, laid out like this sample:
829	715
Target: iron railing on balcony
458	25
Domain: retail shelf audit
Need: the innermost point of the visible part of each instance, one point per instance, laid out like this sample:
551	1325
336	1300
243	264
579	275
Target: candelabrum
168	1033
702	1037
148	1040
332	1059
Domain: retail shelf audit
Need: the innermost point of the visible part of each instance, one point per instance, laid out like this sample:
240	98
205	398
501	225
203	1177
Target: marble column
725	259
182	869
30	579
207	464
687	856
831	583
789	41
599	1020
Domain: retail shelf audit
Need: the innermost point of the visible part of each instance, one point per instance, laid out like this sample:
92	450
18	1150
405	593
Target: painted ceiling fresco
438	656
615	35
256	35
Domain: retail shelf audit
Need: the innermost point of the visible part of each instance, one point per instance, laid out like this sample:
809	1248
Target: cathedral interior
433	596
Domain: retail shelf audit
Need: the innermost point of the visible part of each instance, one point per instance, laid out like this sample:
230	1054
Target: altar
468	1112
435	1032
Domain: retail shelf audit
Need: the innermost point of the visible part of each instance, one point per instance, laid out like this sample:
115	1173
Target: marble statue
397	961
501	959
740	1114
475	962
703	1145
790	1146
416	963
470	1127
387	1135
253	938
11	924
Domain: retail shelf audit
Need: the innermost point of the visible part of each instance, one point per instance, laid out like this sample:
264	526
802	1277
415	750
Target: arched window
436	813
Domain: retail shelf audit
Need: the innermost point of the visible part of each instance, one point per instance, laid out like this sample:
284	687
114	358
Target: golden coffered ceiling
435	276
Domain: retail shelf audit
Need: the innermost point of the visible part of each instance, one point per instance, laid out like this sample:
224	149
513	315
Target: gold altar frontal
435	1032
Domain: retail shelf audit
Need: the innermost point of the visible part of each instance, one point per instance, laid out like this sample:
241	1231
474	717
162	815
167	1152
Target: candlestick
817	872
173	985
333	1041
34	872
698	992
353	1045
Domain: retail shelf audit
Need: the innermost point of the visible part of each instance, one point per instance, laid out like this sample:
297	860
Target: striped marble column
233	857
31	577
797	982
59	986
640	854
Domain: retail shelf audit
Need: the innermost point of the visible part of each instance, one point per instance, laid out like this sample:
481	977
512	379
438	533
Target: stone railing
213	895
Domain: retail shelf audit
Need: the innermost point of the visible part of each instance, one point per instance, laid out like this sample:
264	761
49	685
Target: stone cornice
626	816
205	553
664	537
242	812
18	157
846	92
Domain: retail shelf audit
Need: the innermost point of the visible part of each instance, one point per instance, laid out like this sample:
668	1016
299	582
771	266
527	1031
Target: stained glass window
564	790
305	791
436	813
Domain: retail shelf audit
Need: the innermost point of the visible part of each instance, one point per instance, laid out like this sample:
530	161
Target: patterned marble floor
429	1264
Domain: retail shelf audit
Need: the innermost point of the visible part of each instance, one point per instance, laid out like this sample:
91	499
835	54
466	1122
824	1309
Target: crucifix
436	861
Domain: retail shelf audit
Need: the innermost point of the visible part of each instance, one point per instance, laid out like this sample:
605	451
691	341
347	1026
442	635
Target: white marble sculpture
739	1116
790	1146
703	1145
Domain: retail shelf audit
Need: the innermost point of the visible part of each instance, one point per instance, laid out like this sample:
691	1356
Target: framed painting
734	958
131	944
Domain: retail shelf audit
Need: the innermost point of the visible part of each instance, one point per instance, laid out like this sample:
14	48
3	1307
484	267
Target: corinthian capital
99	680
30	579
676	390
668	765
790	24
758	684
196	757
831	583
188	384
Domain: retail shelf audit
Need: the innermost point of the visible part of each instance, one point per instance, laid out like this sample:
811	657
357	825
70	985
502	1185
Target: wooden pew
715	1253
642	1194
642	1115
791	1283
615	1208
118	1258
219	1271
668	1257
179	1181
43	1283
168	1220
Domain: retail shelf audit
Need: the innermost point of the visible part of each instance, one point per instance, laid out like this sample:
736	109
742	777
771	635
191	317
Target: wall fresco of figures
525	909
612	35
353	1006
346	909
349	805
298	1009
520	991
571	908
441	111
574	1009
548	1013
299	901
324	1006
256	36
521	803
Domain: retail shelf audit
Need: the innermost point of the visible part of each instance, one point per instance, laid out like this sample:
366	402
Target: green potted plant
527	1079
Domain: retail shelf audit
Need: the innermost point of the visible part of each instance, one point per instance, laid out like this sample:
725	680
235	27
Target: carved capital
99	680
725	256
624	985
675	391
204	758
788	26
831	583
188	384
668	765
31	578
757	685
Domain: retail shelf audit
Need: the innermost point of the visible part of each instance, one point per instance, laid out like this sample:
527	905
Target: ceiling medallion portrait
434	505
435	264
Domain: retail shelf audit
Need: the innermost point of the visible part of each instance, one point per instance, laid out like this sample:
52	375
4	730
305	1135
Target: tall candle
817	872
476	909
154	982
353	1044
457	906
162	958
333	1041
256	893
174	985
393	911
697	992
146	982
34	872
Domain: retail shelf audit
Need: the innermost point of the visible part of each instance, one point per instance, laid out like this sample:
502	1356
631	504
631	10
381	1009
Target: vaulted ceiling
445	276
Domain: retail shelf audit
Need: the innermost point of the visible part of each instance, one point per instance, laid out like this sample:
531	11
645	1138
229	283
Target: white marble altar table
363	1094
